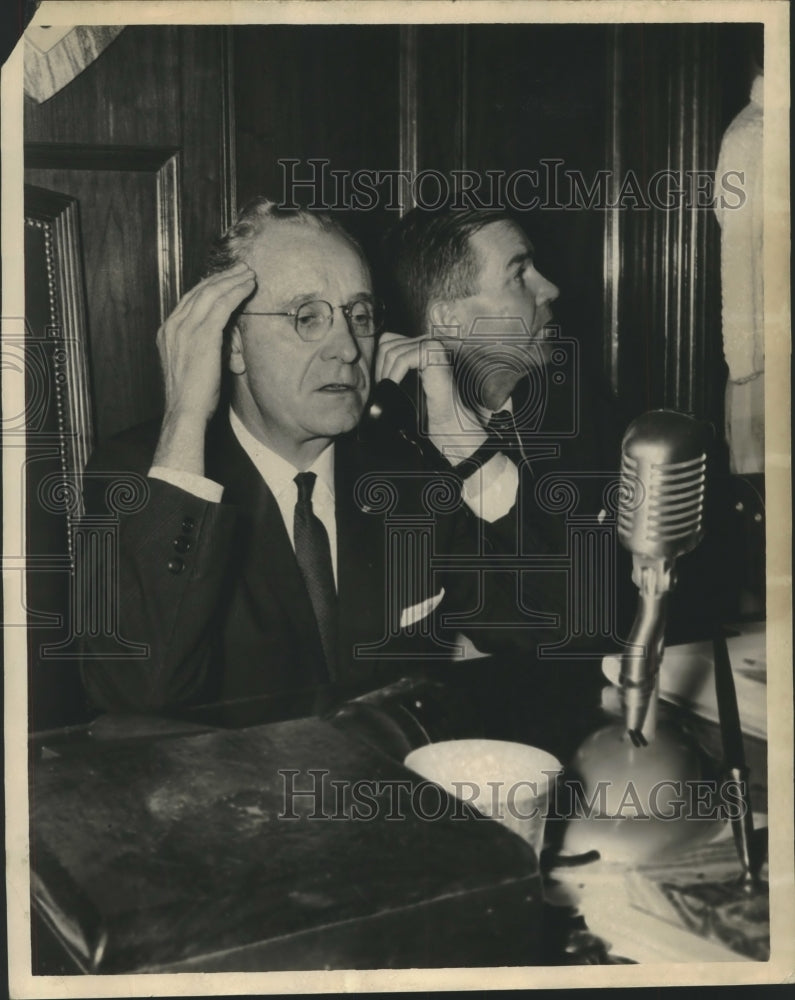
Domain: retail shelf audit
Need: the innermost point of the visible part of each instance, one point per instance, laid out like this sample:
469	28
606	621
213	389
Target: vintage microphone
660	517
635	763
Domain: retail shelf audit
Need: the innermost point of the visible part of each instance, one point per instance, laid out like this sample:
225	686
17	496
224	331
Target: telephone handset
392	406
391	412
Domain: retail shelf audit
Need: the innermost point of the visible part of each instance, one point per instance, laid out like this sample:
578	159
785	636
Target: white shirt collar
278	473
486	414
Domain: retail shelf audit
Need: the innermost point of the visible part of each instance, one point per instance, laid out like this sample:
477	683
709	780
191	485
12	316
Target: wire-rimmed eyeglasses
312	320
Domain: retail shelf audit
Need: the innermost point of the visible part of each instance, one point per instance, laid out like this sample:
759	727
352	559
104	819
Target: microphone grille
663	481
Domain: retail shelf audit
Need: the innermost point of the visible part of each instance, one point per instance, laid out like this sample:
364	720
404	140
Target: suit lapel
269	563
361	542
269	560
530	415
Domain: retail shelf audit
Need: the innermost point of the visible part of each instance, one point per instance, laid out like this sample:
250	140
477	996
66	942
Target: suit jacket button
175	566
188	523
182	544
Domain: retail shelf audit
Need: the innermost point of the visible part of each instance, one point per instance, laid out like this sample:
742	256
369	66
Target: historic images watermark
313	795
550	186
89	565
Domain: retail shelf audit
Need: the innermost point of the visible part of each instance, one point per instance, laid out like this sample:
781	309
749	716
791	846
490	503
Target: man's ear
236	361
443	316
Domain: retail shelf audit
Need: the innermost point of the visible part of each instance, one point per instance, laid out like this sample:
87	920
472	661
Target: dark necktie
501	426
313	552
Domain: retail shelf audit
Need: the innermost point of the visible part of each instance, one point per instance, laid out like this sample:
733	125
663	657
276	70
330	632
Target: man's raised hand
190	346
190	340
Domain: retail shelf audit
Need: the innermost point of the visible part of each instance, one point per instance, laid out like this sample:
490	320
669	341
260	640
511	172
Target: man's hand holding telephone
452	427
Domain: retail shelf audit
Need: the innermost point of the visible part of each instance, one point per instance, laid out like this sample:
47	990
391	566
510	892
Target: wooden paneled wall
534	98
317	93
638	288
434	97
639	285
674	88
142	139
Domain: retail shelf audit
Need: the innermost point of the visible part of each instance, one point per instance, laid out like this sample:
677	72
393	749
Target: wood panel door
132	254
142	140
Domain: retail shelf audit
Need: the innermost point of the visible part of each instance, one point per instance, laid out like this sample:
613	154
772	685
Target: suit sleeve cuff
199	486
490	492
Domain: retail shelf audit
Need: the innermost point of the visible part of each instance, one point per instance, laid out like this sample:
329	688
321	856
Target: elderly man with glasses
279	549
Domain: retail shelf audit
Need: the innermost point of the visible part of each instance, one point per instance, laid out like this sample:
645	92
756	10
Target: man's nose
544	290
339	341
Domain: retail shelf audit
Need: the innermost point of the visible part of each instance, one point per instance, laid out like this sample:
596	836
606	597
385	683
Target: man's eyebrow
520	258
298	300
301	298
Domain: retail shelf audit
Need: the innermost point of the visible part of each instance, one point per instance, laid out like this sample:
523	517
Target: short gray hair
252	220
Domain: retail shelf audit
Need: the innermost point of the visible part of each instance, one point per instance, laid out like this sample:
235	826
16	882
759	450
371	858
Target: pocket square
417	612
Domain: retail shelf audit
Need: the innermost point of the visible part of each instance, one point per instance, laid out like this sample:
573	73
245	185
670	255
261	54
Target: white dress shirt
279	476
491	490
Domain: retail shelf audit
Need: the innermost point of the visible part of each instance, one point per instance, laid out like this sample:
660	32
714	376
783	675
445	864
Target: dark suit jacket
573	429
570	432
215	592
574	435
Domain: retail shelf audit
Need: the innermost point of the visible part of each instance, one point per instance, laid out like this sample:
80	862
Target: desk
195	853
316	895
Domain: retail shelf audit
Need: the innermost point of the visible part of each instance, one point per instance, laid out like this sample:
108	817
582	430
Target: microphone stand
663	469
654	578
735	768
